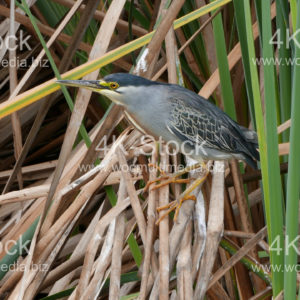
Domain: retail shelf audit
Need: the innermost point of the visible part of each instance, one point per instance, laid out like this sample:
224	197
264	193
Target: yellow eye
113	85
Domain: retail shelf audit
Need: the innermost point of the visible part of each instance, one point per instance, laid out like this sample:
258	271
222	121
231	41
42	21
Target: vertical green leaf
284	55
224	72
293	4
274	183
293	184
241	28
273	217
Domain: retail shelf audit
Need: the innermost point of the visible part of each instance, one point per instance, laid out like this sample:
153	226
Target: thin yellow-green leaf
50	86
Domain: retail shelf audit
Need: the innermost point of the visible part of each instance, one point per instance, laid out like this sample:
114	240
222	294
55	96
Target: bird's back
196	119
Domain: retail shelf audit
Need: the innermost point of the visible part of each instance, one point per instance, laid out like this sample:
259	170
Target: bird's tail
250	135
252	141
250	161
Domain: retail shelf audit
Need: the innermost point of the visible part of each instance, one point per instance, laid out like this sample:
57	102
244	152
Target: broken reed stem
214	230
134	199
184	265
151	217
116	264
164	233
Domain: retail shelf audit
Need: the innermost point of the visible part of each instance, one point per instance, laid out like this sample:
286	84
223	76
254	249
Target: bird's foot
167	179
174	205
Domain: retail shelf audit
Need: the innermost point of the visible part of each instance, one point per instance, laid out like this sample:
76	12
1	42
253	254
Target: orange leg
175	205
171	179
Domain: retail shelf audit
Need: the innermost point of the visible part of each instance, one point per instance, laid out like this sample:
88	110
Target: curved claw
154	181
174	205
184	198
168	179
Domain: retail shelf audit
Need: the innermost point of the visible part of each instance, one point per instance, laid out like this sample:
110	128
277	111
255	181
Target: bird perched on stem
176	114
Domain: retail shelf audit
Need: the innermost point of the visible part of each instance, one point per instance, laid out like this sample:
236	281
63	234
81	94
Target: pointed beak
94	85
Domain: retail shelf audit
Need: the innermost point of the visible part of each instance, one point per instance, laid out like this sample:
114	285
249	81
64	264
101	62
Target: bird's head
121	88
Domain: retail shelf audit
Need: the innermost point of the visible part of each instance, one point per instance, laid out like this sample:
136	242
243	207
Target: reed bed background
75	219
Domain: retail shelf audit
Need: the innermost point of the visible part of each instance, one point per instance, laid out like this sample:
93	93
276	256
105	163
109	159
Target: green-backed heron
178	115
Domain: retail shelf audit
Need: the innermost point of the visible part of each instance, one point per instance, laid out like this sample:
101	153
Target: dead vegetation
75	221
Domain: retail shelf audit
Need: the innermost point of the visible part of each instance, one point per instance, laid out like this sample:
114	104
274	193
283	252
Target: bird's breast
134	122
141	124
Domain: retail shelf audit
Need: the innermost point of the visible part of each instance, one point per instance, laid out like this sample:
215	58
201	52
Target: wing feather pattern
201	123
